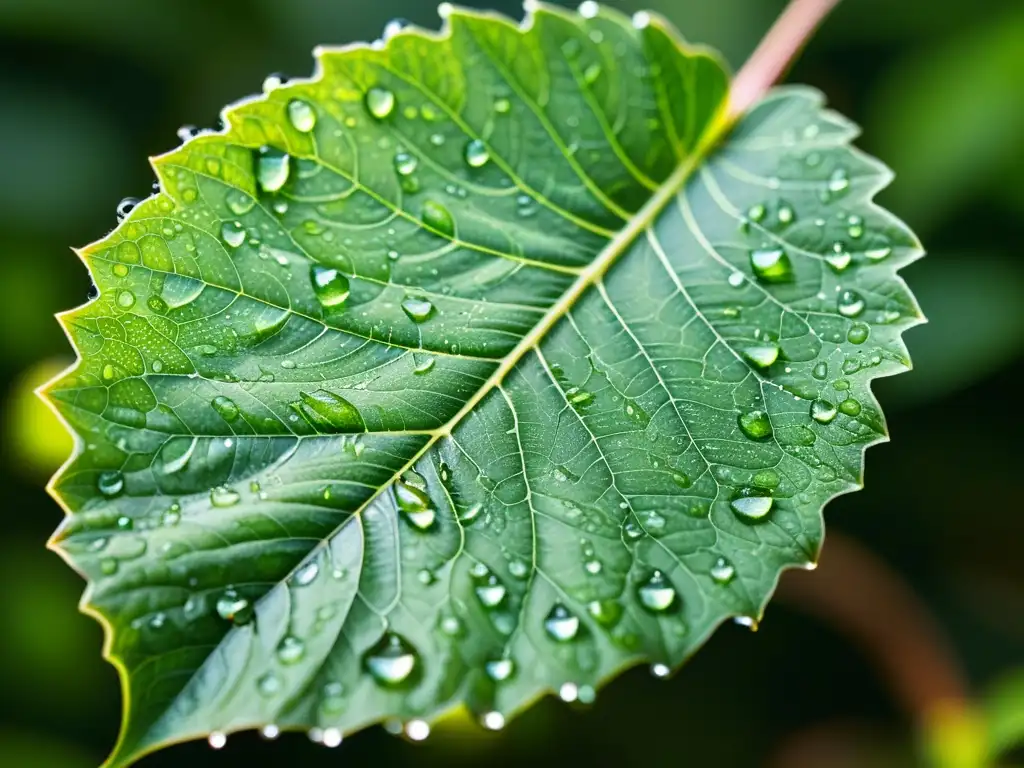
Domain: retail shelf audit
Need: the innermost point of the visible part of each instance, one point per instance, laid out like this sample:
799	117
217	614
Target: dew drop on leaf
391	661
226	408
490	591
222	496
232	607
722	572
273	167
755	424
291	650
110	483
125	207
561	624
500	670
761	355
771	265
477	154
656	594
405	163
416	309
301	115
850	407
437	217
850	303
330	286
306	574
858	333
823	411
380	102
750	507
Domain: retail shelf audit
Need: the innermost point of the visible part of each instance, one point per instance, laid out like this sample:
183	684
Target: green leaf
478	366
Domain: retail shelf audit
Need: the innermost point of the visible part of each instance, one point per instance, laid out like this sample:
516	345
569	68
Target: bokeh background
90	88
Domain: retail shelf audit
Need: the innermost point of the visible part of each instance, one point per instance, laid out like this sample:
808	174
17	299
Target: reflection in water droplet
839	181
301	115
755	424
657	594
391	661
417	730
330	286
771	265
561	624
380	102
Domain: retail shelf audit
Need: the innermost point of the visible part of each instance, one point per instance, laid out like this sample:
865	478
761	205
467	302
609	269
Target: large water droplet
330	286
226	408
418	310
751	508
477	154
414	504
838	261
858	333
291	650
755	424
232	607
405	164
850	407
437	217
380	102
222	496
761	355
422	364
657	594
850	303
239	202
500	670
490	591
307	574
722	572
561	624
125	207
301	115
771	265
272	169
823	411
327	410
391	661
606	612
110	483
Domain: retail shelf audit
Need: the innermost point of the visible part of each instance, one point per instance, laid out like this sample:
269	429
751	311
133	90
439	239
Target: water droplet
391	661
307	574
405	163
502	106
331	737
755	424
269	685
761	355
125	207
493	721
417	730
823	411
838	261
751	507
380	102
490	591
722	572
291	650
110	483
422	364
232	607
660	670
477	154
850	407
301	115
239	203
681	479
593	567
858	333
125	299
736	279
878	254
327	411
217	740
272	169
108	566
771	265
226	408
820	371
839	181
330	286
418	310
756	212
605	612
561	624
657	594
414	503
437	217
222	496
500	670
785	215
850	303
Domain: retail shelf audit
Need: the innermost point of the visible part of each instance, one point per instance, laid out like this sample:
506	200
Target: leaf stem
776	52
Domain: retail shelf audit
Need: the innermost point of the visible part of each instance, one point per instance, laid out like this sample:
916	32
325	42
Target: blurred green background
90	88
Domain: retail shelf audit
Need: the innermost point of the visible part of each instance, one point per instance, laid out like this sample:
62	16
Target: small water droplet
657	594
380	102
761	355
414	503
493	721
232	607
330	286
301	115
786	215
490	591
736	279
722	572
838	261
755	424
605	612
477	154
839	181
858	333
820	371
226	408
405	163
110	483
391	661
771	265
422	364
756	212
850	407
239	203
500	670
877	254
850	303
125	299
269	685
217	740
307	574
108	566
291	650
561	624
223	496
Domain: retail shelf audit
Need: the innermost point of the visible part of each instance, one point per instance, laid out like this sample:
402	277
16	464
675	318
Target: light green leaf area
480	365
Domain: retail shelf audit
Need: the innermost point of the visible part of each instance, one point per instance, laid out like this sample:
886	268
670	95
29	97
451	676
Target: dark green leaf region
481	365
